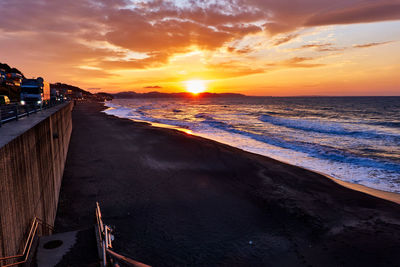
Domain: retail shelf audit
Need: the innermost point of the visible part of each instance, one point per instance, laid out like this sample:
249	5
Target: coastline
177	199
390	196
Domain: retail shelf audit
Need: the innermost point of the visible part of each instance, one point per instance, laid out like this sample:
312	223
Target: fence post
16	112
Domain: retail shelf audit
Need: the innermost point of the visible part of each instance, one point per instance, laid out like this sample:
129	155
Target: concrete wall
32	158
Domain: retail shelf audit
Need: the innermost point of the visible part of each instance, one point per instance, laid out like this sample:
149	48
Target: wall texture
31	169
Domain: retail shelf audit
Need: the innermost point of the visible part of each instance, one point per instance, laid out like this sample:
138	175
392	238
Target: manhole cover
53	244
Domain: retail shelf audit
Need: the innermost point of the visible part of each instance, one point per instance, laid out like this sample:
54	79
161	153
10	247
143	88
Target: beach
177	199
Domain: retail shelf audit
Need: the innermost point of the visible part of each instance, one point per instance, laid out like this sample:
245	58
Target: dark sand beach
181	200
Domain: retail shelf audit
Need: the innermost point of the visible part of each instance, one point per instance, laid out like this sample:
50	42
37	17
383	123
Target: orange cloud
233	69
371	44
162	28
87	40
244	50
153	87
155	59
324	47
300	62
285	39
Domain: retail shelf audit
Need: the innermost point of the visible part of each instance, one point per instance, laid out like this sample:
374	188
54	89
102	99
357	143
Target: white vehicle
35	92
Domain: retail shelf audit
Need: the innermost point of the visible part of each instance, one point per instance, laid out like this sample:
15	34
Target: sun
195	86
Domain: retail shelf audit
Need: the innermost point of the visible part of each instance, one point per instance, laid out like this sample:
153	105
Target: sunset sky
255	47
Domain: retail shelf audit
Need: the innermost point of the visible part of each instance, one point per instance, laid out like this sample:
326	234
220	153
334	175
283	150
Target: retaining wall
32	158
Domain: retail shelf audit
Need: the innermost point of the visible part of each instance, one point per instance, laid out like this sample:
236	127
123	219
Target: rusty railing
105	238
23	256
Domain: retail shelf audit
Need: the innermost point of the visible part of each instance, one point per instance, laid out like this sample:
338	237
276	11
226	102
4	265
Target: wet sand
178	200
394	197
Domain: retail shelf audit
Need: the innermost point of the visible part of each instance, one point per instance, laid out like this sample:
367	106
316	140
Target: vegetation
74	89
9	69
13	91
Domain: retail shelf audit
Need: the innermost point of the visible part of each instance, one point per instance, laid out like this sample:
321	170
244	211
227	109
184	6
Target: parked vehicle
35	92
2	76
4	100
53	96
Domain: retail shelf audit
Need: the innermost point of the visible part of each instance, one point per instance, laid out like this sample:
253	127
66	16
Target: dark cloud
51	15
365	12
153	87
288	15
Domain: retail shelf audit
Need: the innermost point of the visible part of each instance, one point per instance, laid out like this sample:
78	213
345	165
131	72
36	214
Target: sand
180	200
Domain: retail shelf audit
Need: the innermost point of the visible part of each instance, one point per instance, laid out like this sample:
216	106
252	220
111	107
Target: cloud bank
73	31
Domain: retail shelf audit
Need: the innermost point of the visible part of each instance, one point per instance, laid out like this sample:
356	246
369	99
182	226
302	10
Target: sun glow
195	86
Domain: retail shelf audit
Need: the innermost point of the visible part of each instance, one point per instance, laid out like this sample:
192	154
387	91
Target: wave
203	116
331	128
347	144
387	124
312	149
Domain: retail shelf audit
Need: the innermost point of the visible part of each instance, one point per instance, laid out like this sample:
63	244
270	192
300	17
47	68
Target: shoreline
390	196
177	199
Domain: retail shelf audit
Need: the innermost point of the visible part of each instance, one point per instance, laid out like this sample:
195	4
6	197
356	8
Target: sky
254	47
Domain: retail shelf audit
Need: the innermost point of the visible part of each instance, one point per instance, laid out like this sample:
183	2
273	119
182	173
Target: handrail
14	111
28	243
45	224
32	232
105	238
126	259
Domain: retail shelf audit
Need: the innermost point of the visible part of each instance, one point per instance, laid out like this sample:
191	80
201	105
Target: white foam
369	176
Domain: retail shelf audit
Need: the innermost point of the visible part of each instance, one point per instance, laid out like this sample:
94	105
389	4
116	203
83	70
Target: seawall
33	151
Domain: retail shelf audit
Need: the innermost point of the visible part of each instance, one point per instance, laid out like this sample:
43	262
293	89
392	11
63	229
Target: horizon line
184	92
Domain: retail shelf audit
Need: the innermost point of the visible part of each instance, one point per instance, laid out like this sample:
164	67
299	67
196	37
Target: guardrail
15	111
23	257
105	238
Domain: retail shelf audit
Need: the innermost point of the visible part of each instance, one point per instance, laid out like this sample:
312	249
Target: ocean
354	139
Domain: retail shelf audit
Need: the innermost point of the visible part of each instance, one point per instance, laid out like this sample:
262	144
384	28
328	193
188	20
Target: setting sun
195	86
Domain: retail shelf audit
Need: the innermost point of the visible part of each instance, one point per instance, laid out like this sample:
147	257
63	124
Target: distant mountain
105	96
132	94
74	89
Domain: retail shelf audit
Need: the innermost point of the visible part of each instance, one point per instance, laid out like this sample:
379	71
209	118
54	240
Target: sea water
354	139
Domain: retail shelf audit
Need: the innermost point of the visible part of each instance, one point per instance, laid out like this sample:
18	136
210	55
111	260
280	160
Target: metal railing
105	238
23	257
14	111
